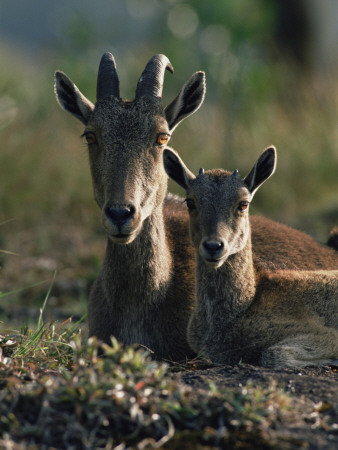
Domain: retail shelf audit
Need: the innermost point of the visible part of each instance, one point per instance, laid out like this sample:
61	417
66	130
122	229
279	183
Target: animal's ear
176	169
262	170
70	98
189	99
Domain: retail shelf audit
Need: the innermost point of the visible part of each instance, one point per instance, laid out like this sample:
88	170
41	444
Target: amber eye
190	204
90	138
162	139
243	206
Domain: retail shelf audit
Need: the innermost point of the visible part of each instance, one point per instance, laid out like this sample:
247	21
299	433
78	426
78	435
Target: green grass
56	392
123	397
46	345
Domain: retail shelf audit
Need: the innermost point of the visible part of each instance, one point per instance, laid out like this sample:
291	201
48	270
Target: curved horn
107	79
150	83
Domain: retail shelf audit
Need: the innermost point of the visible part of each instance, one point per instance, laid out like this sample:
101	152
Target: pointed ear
70	98
176	169
262	170
187	101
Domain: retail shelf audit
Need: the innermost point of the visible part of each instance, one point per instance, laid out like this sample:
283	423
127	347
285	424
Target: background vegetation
260	91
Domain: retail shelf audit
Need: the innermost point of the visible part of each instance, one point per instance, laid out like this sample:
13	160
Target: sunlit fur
145	291
273	318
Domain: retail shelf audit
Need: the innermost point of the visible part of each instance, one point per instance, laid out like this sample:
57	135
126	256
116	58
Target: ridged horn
150	83
107	79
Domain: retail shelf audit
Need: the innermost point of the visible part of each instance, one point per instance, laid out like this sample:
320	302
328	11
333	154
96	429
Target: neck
139	271
230	289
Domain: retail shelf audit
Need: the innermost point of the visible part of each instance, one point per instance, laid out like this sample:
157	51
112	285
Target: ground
315	390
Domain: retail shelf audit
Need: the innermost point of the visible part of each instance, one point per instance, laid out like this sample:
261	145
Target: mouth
121	235
214	263
121	238
117	236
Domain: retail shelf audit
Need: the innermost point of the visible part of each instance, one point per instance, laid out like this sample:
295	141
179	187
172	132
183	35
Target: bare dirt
313	424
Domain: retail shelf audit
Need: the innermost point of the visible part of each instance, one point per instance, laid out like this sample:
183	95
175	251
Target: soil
314	391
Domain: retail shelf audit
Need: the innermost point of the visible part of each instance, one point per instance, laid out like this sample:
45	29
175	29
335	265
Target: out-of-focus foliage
255	97
123	399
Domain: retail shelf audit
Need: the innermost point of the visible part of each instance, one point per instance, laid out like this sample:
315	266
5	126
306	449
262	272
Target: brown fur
288	248
292	320
274	318
146	296
145	290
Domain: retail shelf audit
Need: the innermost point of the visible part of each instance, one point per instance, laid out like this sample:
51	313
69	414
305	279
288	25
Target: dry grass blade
45	301
15	291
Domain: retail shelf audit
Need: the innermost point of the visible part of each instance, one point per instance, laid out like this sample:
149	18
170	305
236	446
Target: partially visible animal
283	318
333	238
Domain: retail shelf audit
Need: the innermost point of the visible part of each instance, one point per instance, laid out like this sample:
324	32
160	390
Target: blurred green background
271	68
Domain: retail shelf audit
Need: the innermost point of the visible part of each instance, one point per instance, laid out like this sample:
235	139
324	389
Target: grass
56	392
47	345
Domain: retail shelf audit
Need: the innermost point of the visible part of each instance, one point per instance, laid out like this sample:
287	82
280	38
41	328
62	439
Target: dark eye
162	139
243	206
190	204
90	138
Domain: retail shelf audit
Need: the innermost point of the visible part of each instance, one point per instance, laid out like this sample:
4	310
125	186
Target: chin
214	263
122	239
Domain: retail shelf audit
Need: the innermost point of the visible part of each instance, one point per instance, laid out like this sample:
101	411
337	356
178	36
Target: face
125	143
218	204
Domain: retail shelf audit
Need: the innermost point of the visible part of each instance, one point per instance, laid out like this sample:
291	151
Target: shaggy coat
145	291
274	318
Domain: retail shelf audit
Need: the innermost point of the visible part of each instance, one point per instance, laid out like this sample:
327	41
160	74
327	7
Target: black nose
213	247
119	215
